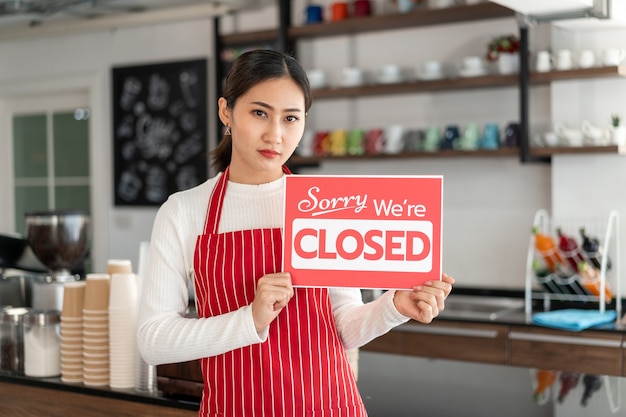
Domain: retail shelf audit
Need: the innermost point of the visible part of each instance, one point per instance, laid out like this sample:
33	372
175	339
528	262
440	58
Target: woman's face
266	125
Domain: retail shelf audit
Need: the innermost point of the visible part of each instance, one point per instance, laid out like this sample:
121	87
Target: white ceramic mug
586	58
543	62
317	78
306	145
439	4
389	73
473	63
564	60
393	139
431	68
351	77
405	6
551	139
613	56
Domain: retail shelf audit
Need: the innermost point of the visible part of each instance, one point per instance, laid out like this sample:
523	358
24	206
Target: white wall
118	230
488	203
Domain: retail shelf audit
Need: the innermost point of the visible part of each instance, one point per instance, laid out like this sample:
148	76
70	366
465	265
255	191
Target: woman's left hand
424	302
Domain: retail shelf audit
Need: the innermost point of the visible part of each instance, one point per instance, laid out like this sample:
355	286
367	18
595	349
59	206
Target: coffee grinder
60	241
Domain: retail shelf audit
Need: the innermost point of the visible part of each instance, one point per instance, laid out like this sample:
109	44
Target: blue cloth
573	319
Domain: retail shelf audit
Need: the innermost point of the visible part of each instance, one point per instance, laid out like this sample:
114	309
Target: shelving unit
588	149
606	229
450	84
422	17
495	153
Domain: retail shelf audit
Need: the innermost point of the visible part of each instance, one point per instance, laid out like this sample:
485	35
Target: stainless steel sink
481	307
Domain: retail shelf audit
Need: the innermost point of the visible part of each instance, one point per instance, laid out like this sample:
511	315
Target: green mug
355	142
433	139
470	140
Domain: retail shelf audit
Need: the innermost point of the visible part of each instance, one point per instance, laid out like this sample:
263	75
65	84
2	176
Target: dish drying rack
608	229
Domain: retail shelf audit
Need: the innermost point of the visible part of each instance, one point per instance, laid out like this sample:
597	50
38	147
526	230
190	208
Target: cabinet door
588	351
183	378
461	341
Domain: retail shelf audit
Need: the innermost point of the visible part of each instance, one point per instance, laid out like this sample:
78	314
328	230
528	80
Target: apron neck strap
216	200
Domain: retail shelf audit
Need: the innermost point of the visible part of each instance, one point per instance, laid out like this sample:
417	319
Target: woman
266	348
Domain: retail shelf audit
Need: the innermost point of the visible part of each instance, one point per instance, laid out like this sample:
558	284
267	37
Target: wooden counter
473	342
513	344
25	397
512	341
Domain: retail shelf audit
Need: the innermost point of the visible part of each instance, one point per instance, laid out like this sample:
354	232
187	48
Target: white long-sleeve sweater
166	336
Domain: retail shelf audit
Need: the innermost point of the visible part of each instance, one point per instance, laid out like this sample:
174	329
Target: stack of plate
72	332
96	330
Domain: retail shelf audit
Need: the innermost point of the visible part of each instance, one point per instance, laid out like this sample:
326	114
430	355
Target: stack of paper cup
72	332
123	302
96	330
119	266
146	375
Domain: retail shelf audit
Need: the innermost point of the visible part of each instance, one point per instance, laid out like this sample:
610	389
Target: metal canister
12	340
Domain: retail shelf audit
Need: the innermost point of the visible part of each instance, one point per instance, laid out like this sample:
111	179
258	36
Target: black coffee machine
17	262
34	269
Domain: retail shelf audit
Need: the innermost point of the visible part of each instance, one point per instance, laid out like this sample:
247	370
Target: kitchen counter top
481	336
507	307
488	330
522	319
146	398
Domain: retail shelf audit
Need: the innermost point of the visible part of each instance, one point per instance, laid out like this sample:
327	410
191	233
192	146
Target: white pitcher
573	137
595	134
613	56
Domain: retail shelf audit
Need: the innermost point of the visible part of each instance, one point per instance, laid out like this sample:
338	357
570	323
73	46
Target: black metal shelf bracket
524	92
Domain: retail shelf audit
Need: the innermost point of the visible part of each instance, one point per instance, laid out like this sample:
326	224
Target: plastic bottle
568	380
592	384
548	249
591	247
545	379
570	250
590	278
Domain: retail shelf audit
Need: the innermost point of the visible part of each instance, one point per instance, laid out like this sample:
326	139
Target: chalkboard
159	130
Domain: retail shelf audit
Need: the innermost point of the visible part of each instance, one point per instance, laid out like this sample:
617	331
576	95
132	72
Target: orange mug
339	11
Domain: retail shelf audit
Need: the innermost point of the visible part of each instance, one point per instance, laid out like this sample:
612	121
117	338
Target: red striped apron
302	368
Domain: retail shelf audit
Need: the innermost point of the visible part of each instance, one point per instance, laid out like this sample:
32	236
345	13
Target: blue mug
314	14
491	140
450	136
512	135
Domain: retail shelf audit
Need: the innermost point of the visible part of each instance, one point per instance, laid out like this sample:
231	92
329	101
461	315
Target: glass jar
12	340
42	343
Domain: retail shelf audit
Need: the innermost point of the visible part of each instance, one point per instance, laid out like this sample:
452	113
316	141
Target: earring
227	132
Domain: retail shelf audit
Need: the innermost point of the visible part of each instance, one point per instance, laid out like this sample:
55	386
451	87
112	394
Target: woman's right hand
273	292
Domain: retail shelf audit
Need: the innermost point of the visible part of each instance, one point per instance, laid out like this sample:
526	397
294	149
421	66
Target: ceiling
32	17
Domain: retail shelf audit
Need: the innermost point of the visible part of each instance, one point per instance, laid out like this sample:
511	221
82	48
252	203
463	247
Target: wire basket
578	276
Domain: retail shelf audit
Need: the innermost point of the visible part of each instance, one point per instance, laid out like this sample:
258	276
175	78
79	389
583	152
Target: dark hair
250	69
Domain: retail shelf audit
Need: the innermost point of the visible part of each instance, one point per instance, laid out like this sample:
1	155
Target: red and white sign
363	231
